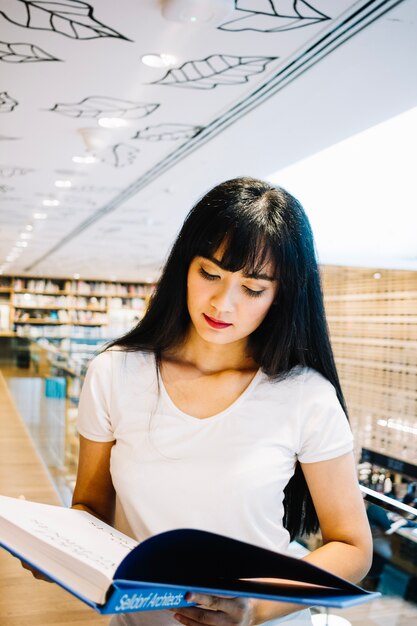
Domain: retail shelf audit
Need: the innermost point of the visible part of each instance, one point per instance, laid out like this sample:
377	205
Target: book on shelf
113	573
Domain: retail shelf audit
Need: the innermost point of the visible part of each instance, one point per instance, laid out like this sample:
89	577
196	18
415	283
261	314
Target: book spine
125	600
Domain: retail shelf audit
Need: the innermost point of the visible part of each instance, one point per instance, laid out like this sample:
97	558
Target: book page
73	538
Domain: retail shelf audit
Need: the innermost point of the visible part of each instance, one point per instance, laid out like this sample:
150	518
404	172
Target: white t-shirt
224	473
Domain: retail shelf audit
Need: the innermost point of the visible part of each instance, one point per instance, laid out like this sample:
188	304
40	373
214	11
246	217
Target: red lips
215	323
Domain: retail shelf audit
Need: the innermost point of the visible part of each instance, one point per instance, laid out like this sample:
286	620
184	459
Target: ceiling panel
273	83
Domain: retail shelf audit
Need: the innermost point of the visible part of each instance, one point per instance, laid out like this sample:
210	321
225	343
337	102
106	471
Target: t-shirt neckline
215	416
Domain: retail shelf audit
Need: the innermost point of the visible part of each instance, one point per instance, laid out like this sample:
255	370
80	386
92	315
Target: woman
222	409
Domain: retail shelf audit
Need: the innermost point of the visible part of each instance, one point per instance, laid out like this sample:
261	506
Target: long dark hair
254	221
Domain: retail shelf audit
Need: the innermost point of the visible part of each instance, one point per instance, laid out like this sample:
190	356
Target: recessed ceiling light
50	202
25	235
29	227
63	184
112	122
85	160
22	244
40	216
158	60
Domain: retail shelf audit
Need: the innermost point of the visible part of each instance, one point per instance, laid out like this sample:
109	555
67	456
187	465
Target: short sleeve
94	421
324	429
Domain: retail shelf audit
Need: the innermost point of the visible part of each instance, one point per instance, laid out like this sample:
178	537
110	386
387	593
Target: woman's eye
206	275
253	293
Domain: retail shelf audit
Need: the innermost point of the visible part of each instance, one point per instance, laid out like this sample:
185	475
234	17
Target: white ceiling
269	86
360	196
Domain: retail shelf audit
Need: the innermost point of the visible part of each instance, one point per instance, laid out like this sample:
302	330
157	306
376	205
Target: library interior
117	119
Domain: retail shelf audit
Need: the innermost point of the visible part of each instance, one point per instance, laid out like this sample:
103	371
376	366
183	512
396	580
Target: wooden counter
25	601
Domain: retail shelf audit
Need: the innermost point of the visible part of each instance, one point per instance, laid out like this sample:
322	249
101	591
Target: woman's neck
211	358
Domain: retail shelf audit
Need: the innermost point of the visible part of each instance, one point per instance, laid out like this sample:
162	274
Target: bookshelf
54	327
70	318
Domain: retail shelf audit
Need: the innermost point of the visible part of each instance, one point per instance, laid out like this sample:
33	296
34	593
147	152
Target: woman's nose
224	298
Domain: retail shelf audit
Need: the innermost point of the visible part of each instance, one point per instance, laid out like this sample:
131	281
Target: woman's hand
216	611
35	572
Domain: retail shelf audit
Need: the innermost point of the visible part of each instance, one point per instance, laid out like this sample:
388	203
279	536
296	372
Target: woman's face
225	306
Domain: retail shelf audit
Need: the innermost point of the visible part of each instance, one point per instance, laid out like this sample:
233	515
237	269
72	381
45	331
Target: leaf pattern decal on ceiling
7	104
168	132
8	171
215	70
71	18
23	53
6	188
119	155
273	16
101	106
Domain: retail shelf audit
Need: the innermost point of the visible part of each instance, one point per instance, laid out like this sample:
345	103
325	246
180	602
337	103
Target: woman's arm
94	491
347	540
346	550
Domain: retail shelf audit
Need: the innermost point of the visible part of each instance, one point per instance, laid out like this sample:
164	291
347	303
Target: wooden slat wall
373	327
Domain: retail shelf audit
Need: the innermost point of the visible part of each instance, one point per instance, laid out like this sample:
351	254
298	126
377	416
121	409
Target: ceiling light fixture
88	159
51	202
158	60
63	184
22	244
197	11
29	227
25	236
40	216
112	122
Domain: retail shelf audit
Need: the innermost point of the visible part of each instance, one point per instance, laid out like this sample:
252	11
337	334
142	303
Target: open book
113	573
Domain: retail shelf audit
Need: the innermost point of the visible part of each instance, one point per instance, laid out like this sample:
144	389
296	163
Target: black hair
251	221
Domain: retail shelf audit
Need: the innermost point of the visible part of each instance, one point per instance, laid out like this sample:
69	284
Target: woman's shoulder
300	374
315	385
116	356
304	381
312	377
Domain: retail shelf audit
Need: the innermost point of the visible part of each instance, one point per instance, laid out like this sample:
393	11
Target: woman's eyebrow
254	275
260	276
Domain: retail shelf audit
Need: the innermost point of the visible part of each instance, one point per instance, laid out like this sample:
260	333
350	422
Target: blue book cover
114	574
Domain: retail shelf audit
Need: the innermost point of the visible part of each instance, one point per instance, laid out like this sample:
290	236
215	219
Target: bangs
246	251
